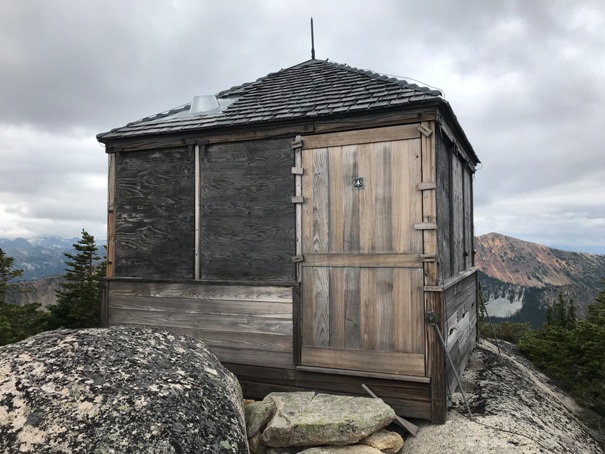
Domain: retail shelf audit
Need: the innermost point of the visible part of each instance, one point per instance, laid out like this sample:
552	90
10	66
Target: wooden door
362	277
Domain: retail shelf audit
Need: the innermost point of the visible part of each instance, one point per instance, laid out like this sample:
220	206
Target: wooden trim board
364	260
361	136
372	361
358	373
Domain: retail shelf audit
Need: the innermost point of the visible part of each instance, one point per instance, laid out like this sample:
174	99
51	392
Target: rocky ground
124	389
134	389
516	410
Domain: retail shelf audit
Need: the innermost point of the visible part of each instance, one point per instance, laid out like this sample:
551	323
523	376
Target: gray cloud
524	78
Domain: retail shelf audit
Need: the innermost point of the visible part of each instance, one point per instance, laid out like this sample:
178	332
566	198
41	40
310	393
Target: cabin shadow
305	226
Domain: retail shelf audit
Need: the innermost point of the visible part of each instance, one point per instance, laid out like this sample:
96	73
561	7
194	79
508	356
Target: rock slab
516	410
116	390
355	449
310	419
385	441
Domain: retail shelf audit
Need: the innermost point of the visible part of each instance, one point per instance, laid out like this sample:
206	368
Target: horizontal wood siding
241	324
154	214
247	215
460	323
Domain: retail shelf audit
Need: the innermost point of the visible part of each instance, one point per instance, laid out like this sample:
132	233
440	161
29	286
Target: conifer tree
79	298
7	273
17	322
573	351
550	347
589	352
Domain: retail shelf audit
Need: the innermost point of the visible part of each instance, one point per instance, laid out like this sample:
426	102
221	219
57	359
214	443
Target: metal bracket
431	318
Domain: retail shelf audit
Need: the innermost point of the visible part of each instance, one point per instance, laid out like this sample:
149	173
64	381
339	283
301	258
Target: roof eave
111	137
452	120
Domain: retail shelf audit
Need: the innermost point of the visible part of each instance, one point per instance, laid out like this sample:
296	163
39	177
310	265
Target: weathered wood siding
241	324
468	220
362	274
457	201
443	154
154	214
247	215
460	324
454	209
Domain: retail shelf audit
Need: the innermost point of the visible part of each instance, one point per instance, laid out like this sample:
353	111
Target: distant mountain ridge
520	278
534	265
41	257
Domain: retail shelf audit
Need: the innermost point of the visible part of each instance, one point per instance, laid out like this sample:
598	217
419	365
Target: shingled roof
315	88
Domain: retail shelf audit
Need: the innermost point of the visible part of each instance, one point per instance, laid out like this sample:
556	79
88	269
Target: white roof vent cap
205	104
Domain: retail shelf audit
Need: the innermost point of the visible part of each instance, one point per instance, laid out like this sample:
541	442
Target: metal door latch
358	182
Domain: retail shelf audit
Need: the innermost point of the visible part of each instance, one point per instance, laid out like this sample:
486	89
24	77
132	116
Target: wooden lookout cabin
314	228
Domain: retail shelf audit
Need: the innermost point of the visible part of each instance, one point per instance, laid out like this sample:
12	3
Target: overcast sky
525	78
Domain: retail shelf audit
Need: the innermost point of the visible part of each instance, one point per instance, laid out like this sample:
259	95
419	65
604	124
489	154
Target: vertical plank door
362	278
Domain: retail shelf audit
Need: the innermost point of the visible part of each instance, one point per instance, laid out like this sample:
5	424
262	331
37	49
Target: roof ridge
372	74
383	77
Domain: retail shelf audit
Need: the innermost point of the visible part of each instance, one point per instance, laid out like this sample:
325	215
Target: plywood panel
155	214
247	218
